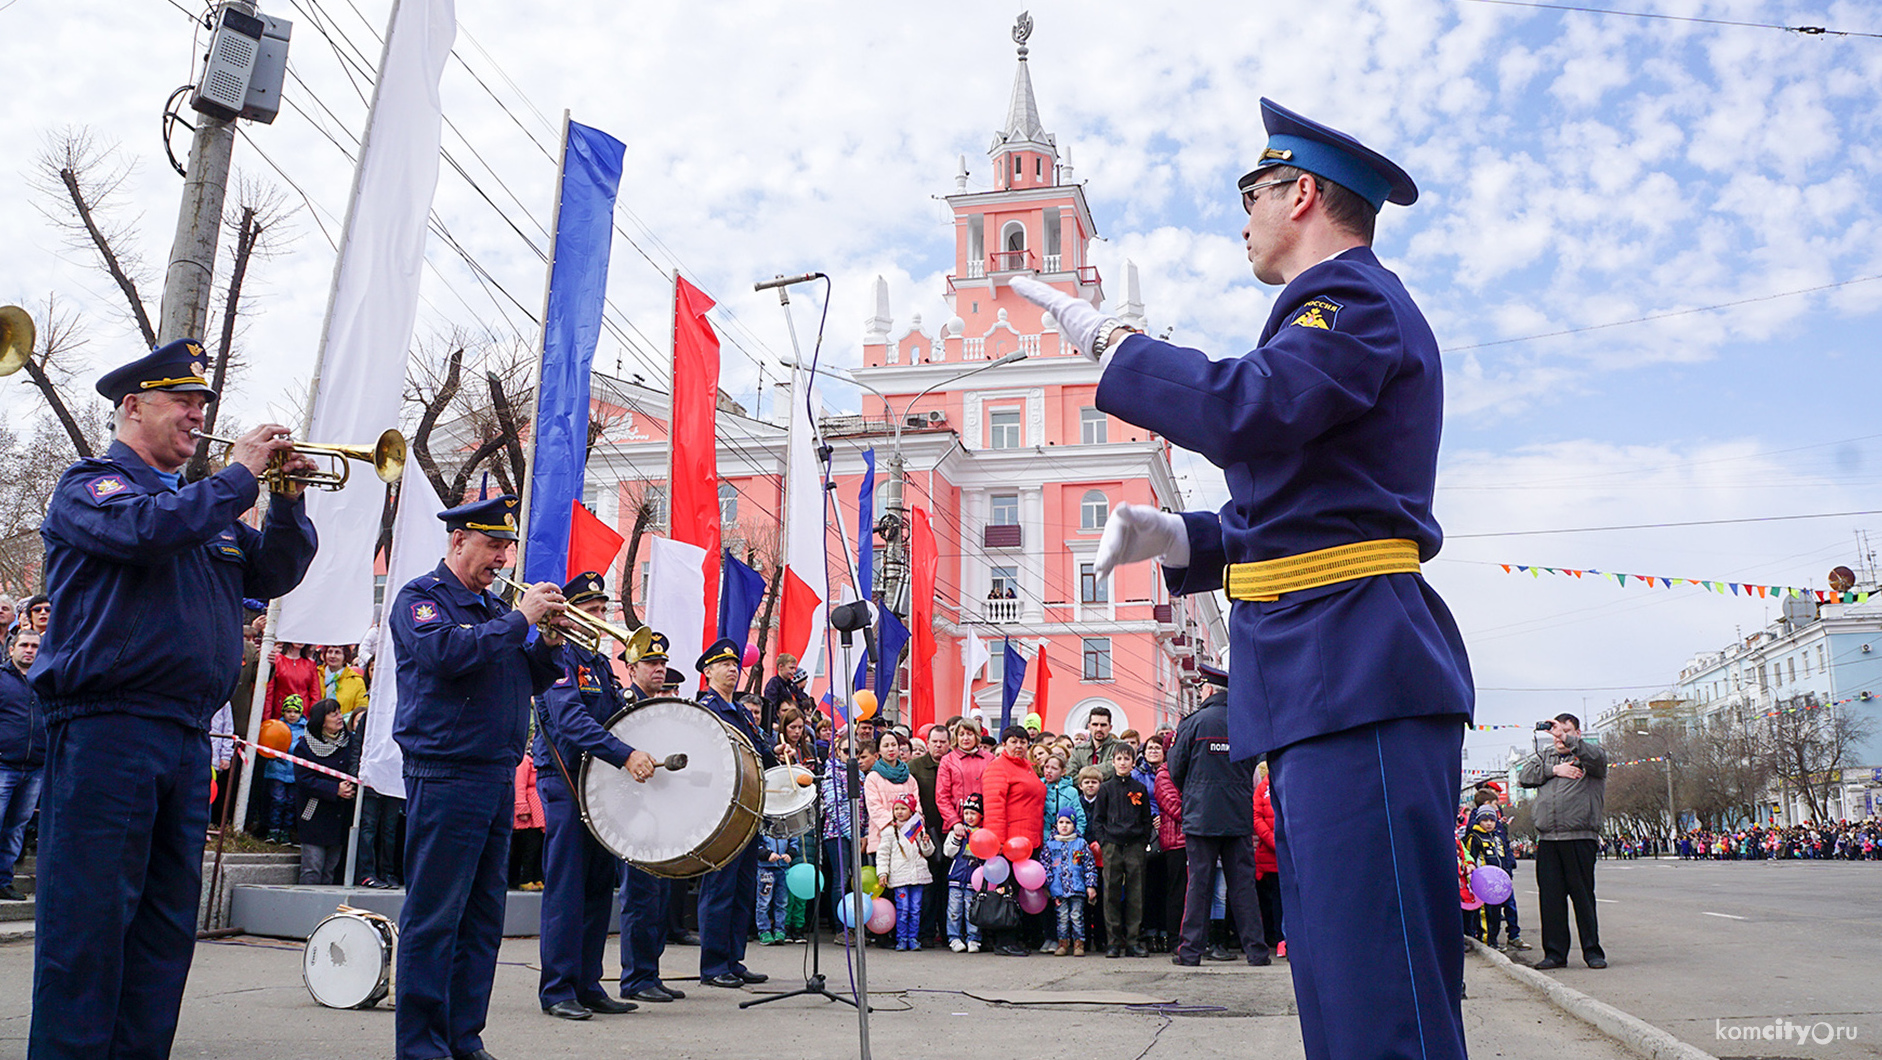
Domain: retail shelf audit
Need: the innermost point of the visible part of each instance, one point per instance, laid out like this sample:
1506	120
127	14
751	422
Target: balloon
865	701
1018	848
751	655
996	870
977	882
846	911
1491	884
803	881
867	882
275	734
1033	901
1471	904
1030	874
983	844
882	921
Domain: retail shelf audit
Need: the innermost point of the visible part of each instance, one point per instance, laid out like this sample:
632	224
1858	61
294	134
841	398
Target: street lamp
1672	811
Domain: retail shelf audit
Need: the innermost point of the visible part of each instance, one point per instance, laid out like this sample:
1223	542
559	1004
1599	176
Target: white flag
975	652
676	599
418	542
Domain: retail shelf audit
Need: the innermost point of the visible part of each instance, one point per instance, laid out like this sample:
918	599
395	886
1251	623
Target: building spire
1022	114
1023	152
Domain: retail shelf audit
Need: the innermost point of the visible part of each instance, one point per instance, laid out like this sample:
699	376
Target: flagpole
542	341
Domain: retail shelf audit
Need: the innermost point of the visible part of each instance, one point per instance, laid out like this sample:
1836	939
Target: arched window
1014	236
1093	510
728	503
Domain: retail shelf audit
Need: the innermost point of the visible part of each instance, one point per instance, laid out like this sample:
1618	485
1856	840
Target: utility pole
192	268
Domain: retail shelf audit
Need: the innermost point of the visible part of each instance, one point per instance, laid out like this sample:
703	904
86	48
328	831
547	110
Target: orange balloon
275	734
865	703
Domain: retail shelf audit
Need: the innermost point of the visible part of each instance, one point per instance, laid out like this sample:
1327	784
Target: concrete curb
1636	1034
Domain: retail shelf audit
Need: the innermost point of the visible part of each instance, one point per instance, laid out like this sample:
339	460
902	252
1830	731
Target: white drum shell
790	807
347	962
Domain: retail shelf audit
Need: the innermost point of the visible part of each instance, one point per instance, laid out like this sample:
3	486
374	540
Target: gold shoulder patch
1320	313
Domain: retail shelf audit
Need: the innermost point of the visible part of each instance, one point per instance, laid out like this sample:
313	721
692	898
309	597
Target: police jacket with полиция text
1218	793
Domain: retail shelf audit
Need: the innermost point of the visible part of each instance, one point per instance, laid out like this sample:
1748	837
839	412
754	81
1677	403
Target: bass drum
348	960
680	823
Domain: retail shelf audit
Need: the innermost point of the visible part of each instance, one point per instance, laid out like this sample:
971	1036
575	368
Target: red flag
800	609
921	620
1039	693
693	485
593	544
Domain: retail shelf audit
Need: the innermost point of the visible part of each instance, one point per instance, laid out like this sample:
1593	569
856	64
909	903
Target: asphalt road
1716	952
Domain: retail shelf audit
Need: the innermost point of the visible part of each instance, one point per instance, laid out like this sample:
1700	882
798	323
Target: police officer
1349	670
578	873
1218	825
728	897
143	648
645	898
467	668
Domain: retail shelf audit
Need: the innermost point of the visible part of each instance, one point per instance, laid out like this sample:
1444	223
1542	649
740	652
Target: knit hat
292	703
973	802
910	801
1066	814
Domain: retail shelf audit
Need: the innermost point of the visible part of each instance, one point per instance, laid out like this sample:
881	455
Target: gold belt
1268	579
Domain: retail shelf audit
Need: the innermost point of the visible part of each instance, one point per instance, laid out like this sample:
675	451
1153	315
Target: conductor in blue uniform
1347	668
645	898
146	576
728	897
579	874
467	668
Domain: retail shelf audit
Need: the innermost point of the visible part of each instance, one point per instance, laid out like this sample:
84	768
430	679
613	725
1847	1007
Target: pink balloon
1030	874
1033	901
882	921
751	654
977	882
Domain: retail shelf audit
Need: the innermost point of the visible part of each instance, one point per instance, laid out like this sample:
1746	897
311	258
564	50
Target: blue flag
578	280
1013	678
891	636
866	528
741	590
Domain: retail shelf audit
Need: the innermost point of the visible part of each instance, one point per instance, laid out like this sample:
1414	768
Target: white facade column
1032	561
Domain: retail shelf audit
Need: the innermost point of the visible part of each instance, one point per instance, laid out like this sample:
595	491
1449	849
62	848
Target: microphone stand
814	983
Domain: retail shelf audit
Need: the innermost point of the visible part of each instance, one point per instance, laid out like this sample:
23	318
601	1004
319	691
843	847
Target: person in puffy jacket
903	848
957	771
1061	794
324	805
1267	867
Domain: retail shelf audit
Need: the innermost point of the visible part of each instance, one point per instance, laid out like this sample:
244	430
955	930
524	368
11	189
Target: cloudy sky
1578	171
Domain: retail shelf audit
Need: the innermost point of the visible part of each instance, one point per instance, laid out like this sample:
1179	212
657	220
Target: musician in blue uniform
728	897
146	576
1348	669
578	873
645	898
467	668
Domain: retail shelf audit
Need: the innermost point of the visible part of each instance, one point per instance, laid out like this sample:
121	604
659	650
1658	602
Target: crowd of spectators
1839	841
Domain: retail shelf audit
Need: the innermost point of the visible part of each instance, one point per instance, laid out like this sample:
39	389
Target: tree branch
59	410
434	407
110	257
244	245
506	418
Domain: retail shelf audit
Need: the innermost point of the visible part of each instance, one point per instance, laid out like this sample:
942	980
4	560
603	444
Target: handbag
995	911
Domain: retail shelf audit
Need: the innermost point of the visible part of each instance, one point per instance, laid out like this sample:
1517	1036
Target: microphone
786	281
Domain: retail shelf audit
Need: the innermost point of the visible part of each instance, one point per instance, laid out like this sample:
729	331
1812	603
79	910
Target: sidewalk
246	998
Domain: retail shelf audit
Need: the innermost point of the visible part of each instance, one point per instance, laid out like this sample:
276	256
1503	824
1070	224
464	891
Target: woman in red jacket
1170	847
1267	868
1015	800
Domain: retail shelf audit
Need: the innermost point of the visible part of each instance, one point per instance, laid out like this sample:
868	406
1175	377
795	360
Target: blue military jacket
147	584
22	723
737	717
1327	433
467	669
575	710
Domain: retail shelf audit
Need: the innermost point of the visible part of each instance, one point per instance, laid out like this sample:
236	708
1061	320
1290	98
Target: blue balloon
846	910
996	870
803	881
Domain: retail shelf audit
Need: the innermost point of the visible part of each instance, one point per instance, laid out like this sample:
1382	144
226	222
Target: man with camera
1570	778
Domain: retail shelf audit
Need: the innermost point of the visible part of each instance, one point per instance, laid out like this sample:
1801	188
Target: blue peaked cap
1301	142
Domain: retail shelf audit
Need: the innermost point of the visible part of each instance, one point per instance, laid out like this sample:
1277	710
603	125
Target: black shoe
725	979
1136	949
1597	962
478	1054
676	995
1260	962
1013	950
608	1006
10	894
684	938
1114	951
1218	953
653	994
568	1010
749	976
1177	958
1548	964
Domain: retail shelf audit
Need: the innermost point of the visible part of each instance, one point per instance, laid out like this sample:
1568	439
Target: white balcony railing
1001	612
1029	345
1052	263
973	349
976	268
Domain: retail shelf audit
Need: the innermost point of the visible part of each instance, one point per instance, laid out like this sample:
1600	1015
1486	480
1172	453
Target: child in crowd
775	856
1123	827
1074	880
963	933
1090	778
902	852
280	776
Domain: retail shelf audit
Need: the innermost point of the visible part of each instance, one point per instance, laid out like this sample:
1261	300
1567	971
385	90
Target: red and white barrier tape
285	757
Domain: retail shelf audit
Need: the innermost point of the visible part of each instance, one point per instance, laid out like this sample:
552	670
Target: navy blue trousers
578	878
457	860
728	902
1363	825
122	819
645	902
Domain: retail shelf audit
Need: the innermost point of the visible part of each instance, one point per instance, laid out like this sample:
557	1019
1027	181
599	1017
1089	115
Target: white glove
1137	532
1078	322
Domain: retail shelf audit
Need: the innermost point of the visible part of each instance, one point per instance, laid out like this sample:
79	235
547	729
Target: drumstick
675	762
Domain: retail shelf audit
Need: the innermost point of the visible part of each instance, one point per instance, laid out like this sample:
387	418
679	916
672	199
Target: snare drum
680	823
790	803
348	960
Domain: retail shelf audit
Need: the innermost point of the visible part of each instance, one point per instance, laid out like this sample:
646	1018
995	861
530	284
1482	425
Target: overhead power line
1808	31
1661	526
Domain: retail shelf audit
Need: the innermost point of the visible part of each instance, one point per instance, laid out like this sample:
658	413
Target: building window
1792	666
996	664
1005	510
1097	658
1091	426
1092	589
728	503
657	500
1821	665
1004	583
646	578
1003	429
1093	510
591	493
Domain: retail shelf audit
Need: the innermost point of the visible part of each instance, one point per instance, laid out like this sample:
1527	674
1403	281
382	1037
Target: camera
1545	726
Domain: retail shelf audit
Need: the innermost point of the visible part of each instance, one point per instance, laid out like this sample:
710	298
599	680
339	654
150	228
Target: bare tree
77	180
59	338
1810	744
451	420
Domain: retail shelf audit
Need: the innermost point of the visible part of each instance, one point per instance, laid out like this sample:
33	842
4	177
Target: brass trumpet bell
588	631
387	457
17	335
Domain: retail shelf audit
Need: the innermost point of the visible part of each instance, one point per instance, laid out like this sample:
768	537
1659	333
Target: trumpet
588	631
16	338
387	457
